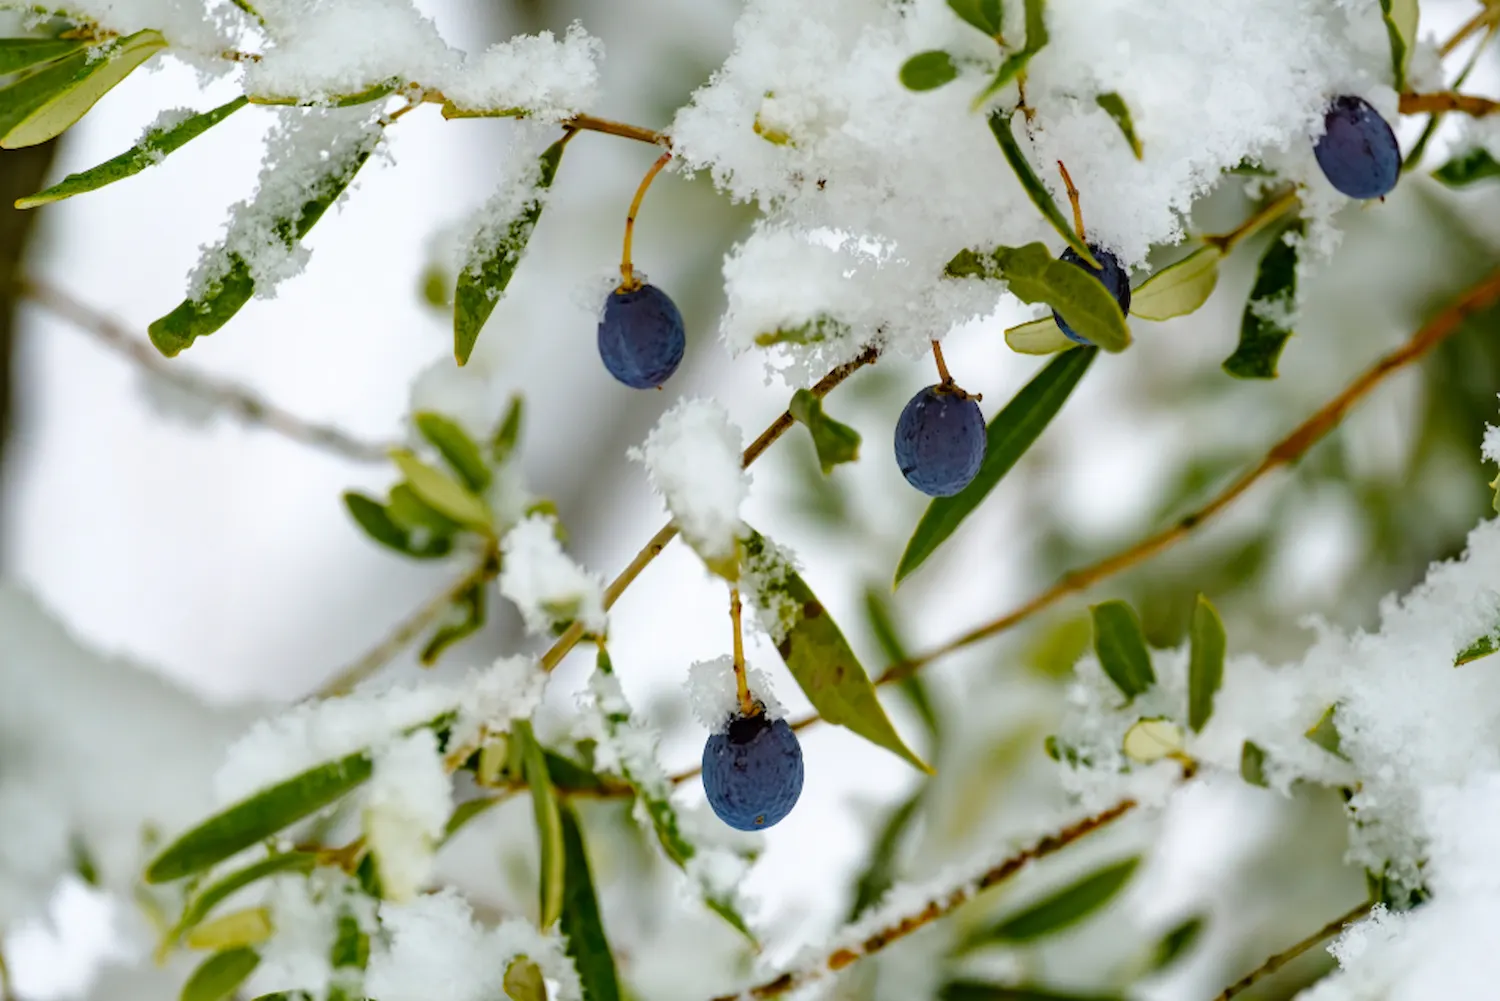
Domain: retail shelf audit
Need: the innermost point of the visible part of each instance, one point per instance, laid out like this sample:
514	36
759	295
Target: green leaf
413	514
221	889
1034	275
66	102
1176	942
152	149
822	662
220	975
815	331
835	443
1011	432
1179	288
1325	733
223	297
1121	647
1253	764
549	830
928	70
351	946
1205	663
978	990
1482	647
982	14
470	607
523	981
1016	63
509	431
1039	337
883	626
446	495
17	54
1266	324
249	926
587	944
372	93
378	524
1114	106
458	450
879	874
254	819
1035	190
493	257
1062	909
1468	168
1400	18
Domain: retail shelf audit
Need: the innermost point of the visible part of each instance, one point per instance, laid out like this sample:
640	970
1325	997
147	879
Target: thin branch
1488	15
935	909
1279	960
1468	104
234	399
628	279
1226	242
589	123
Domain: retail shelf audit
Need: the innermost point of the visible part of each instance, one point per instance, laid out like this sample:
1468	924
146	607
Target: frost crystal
693	459
406	809
490	227
537	74
714	696
547	587
763	578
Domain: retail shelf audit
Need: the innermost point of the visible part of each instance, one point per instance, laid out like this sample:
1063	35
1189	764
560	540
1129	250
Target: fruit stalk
627	272
1073	198
741	684
944	376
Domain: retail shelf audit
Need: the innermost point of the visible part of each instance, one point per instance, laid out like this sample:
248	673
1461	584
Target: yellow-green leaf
1114	106
549	830
1325	733
1205	663
380	525
581	924
1015	64
928	70
1253	764
1468	168
466	617
982	14
523	981
835	443
1038	337
445	494
1401	17
1179	288
221	889
219	975
458	450
232	931
1151	740
1032	274
1482	647
1120	644
17	54
1036	190
372	93
90	82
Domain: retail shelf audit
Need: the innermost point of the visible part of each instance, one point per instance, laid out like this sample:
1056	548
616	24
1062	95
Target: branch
935	909
1487	15
1417	104
1279	960
234	399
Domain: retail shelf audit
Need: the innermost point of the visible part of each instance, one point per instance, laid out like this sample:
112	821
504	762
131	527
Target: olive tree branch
1276	962
1488	15
232	398
1468	104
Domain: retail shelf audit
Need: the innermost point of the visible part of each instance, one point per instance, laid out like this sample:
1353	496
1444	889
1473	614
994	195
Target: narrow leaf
220	890
446	495
587	943
549	831
1267	323
1121	647
509	431
1015	64
20	99
258	817
1011	432
928	70
1468	168
982	14
378	524
1325	733
219	975
1176	942
415	515
1253	764
883	626
1064	908
835	443
1179	288
470	609
1400	18
152	149
493	258
1114	106
1482	647
1034	275
879	874
250	926
1035	190
17	54
822	662
978	990
458	450
1039	337
1205	663
90	82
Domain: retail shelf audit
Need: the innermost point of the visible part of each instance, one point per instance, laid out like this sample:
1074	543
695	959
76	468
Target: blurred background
222	556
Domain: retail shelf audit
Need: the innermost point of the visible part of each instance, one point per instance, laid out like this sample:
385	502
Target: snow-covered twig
1276	962
845	955
232	398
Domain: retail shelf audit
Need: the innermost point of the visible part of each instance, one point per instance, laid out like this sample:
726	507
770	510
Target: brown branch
936	909
1279	960
234	399
589	123
1468	104
1488	15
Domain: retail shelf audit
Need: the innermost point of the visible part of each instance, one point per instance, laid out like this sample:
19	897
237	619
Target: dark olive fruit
1111	276
1357	150
641	339
940	440
752	772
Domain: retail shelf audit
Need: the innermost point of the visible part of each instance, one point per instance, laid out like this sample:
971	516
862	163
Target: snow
715	698
165	122
470	396
764	574
520	173
546	585
198	31
406	809
546	77
693	459
626	746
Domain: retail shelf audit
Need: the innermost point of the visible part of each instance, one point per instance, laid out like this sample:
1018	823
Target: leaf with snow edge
549	831
33	111
1482	647
1038	337
835	443
220	975
446	495
372	516
827	670
223	296
483	282
815	331
1205	662
1179	288
1010	433
928	70
1034	188
1325	733
979	990
1062	909
1468	168
879	874
1114	106
17	54
1263	328
372	93
252	820
523	981
249	926
1150	740
151	150
1176	942
509	431
587	944
1253	764
1032	274
458	450
1400	18
1015	64
1120	646
226	886
982	14
470	608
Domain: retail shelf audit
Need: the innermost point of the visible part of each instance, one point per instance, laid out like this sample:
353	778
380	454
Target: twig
343	682
1279	960
935	909
589	123
234	399
628	279
1489	14
945	378
569	639
1073	197
1226	242
742	687
1468	104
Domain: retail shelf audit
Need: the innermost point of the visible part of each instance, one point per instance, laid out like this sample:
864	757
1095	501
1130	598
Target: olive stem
1279	960
741	683
1468	104
627	272
1073	197
942	366
1490	13
1226	242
